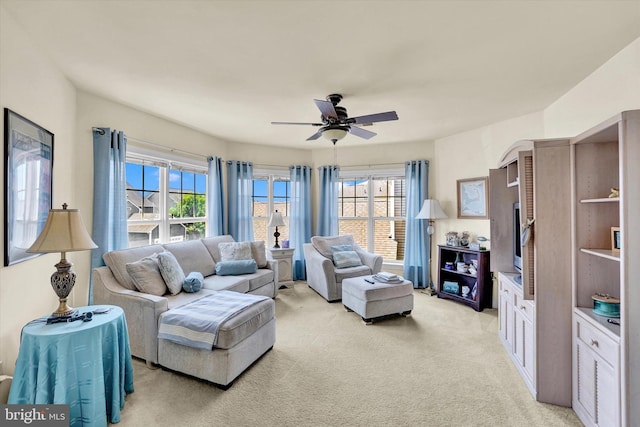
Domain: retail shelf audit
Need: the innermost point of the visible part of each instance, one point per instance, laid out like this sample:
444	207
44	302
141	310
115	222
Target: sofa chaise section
113	285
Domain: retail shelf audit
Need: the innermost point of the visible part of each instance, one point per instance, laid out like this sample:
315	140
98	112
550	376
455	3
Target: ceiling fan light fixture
335	133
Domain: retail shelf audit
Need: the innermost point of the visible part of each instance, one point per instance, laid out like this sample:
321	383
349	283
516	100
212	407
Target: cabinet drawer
597	341
525	307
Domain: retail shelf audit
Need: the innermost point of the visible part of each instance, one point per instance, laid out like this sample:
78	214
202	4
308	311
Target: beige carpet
442	366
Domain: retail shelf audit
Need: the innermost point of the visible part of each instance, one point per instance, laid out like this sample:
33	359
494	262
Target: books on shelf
474	291
385	277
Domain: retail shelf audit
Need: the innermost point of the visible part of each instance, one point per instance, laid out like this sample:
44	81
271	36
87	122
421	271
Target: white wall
612	88
33	88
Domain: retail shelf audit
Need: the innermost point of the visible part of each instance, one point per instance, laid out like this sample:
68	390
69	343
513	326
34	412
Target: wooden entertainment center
583	242
535	313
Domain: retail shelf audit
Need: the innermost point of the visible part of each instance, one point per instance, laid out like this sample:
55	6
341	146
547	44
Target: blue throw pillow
233	268
346	259
193	282
341	248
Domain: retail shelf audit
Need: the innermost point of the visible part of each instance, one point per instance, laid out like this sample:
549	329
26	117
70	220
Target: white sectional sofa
241	341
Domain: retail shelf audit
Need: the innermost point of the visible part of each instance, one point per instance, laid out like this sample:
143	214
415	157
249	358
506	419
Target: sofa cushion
244	324
193	282
259	254
234	251
230	283
344	259
192	256
234	268
260	278
171	272
344	273
117	261
211	243
146	275
323	243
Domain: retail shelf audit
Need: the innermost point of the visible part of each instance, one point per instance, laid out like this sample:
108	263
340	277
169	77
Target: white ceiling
229	68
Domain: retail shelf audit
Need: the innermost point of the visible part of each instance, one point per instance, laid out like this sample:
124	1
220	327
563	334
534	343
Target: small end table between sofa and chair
284	257
377	300
86	365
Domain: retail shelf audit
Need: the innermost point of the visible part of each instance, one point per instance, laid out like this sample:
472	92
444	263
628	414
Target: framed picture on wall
28	183
473	198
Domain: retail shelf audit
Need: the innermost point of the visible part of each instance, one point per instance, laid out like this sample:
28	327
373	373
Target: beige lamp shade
276	220
431	209
64	231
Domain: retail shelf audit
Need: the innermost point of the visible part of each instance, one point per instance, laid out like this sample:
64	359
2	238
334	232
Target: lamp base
430	290
64	310
62	282
276	235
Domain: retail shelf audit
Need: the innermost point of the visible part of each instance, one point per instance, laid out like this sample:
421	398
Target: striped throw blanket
197	324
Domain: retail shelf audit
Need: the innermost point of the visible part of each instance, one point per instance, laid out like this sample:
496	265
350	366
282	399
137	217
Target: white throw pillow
259	254
235	251
171	272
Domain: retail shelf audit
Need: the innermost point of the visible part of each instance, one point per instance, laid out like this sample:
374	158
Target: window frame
271	176
166	165
370	176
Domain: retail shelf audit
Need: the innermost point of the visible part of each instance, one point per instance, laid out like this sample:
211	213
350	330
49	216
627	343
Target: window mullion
164	205
370	215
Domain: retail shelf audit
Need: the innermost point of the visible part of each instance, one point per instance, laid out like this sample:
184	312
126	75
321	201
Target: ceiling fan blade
315	136
297	123
380	117
326	108
362	133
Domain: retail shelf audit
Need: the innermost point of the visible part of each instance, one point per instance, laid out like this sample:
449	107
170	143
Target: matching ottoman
376	300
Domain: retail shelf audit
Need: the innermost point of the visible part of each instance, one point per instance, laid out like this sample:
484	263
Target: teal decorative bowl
605	305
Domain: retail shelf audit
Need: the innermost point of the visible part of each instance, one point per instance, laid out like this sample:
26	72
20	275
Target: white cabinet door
523	344
506	315
597	386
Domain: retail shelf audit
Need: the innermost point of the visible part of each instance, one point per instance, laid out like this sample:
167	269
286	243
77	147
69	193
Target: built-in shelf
601	200
603	253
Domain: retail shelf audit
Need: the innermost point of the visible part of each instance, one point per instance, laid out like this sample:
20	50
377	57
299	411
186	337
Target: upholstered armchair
331	259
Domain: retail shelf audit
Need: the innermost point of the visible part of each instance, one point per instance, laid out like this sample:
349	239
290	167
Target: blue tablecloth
86	365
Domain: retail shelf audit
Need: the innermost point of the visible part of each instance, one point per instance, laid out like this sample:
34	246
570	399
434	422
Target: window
271	192
165	203
187	205
372	208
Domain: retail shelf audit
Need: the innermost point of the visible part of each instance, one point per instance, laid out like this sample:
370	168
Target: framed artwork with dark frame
615	239
28	184
473	198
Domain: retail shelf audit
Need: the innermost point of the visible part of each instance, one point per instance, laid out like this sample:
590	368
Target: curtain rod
373	165
155	144
101	132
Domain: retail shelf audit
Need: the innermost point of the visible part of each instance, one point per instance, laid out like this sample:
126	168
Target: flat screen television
517	245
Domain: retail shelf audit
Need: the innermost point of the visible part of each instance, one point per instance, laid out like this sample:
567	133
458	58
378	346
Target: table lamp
63	232
276	221
431	210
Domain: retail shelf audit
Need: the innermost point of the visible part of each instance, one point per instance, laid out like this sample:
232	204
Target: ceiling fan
336	123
